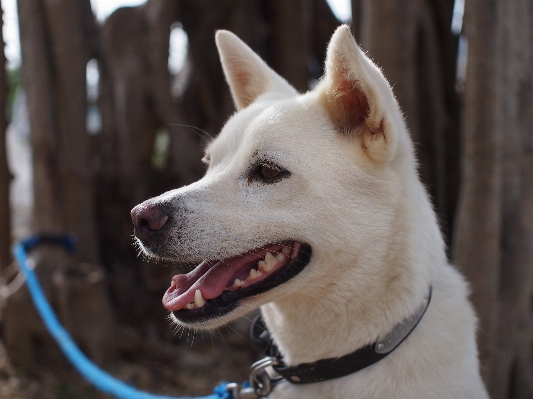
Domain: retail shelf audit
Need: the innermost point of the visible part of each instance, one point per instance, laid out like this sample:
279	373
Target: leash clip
261	384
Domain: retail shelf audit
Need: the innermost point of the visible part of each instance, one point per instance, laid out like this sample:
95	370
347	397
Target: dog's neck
303	334
343	313
336	367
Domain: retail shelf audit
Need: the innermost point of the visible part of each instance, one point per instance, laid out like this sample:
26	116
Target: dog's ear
356	95
247	74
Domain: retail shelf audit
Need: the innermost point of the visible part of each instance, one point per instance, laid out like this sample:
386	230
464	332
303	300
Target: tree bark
161	15
37	79
323	25
24	334
357	18
5	174
476	246
55	51
206	100
494	237
511	374
289	39
135	102
67	22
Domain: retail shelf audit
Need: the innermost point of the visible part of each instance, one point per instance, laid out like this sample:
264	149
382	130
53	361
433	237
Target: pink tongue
209	278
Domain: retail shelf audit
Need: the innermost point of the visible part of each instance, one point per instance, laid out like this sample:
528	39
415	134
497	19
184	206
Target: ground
191	367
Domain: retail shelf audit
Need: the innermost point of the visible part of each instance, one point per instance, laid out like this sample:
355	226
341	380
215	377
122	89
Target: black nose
148	219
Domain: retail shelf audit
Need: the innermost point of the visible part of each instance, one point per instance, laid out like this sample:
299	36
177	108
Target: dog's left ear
247	74
356	95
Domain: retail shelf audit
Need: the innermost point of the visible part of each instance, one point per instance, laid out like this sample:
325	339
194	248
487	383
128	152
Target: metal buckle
261	384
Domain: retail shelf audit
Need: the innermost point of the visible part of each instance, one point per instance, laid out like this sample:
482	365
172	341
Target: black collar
328	369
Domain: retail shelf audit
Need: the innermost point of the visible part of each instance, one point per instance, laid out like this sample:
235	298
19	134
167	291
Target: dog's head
302	192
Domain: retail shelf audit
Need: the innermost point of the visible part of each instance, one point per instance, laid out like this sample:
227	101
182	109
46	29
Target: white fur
354	195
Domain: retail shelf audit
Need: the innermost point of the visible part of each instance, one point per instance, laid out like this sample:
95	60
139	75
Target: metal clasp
261	384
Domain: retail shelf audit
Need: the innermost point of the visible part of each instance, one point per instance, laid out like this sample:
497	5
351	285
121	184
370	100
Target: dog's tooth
270	260
280	257
255	273
295	249
262	265
286	250
199	300
172	283
189	306
238	283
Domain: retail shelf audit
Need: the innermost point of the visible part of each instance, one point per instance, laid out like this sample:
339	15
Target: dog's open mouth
214	288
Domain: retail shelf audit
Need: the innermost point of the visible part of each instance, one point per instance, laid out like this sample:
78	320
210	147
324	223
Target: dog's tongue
210	277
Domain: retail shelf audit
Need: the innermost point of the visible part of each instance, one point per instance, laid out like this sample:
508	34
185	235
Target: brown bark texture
494	240
476	247
54	56
68	27
21	323
5	174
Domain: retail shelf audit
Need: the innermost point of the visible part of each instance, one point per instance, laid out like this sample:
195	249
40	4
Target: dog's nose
148	219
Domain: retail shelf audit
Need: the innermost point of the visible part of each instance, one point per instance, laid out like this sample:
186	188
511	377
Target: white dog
312	209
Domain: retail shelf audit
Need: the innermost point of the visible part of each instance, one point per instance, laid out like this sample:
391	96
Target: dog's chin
209	321
216	292
152	253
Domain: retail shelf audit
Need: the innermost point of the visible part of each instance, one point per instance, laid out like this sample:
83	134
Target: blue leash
102	380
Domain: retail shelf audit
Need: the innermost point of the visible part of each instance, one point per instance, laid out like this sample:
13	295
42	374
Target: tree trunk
289	39
135	103
69	25
357	18
54	56
23	332
186	151
477	238
323	25
206	101
5	175
511	370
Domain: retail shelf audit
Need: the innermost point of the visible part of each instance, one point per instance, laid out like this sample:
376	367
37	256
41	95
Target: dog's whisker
193	128
236	332
212	341
222	337
251	321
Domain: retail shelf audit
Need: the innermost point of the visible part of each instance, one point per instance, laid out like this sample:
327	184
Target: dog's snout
148	219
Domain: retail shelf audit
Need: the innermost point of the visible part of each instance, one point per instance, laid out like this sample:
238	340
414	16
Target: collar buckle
261	383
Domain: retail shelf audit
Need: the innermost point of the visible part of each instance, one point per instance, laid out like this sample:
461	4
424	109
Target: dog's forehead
266	125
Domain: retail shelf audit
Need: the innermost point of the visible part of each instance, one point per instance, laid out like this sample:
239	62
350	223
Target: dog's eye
269	173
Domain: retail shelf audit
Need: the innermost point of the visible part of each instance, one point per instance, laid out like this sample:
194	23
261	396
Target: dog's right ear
247	74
